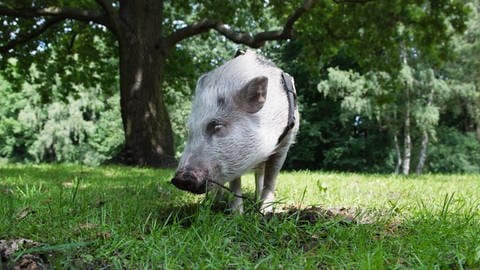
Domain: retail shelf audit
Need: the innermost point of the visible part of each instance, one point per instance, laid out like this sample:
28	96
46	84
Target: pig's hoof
237	211
236	207
267	210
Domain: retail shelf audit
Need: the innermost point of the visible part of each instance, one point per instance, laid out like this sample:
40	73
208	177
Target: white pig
243	117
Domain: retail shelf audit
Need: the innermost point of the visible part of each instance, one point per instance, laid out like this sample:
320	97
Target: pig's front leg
259	176
272	167
236	205
218	195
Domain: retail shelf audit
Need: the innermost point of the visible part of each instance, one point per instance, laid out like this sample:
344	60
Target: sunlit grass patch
134	218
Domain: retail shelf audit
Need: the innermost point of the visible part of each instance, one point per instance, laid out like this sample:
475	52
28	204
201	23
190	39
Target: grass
120	217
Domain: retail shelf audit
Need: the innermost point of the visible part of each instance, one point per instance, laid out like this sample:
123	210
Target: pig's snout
190	181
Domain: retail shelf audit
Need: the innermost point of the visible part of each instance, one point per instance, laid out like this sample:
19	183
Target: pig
244	117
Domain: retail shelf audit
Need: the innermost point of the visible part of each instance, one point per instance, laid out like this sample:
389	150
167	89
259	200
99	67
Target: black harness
287	82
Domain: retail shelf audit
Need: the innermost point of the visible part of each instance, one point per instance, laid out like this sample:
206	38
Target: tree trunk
478	132
148	132
407	141
423	153
425	139
399	154
477	112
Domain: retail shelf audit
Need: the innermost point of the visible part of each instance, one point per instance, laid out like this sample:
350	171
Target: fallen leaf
7	191
104	235
86	226
98	203
67	184
30	262
24	213
47	201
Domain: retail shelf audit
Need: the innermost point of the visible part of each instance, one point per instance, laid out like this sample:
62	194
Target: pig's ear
253	95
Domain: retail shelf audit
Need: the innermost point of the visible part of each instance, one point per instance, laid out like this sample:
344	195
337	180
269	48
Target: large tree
146	34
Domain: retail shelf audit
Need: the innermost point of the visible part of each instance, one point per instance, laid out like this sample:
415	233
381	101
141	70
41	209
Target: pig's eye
214	127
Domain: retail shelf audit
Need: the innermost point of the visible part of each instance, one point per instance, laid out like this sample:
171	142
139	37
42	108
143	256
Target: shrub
454	152
82	127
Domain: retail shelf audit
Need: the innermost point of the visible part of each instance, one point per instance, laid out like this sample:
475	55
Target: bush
454	152
83	127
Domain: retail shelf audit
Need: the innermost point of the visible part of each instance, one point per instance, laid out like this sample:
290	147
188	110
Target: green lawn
120	217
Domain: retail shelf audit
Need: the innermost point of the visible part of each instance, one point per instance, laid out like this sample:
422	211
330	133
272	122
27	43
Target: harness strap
287	82
239	52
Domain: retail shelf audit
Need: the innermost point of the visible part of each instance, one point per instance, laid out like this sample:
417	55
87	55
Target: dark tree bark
399	154
148	132
478	132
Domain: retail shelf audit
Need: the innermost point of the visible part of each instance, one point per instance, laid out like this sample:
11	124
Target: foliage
454	152
356	154
372	34
378	98
113	217
71	58
463	112
83	127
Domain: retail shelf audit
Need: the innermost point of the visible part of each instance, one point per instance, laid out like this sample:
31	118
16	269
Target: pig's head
223	140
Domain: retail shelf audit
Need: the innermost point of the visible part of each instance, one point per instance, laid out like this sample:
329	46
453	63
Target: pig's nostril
176	181
186	181
189	177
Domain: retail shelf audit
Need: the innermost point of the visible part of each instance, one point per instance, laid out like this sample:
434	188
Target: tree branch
61	12
251	40
352	1
35	33
111	16
106	6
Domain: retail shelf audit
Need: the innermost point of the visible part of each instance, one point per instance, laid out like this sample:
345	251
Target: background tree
366	40
380	98
424	96
464	72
